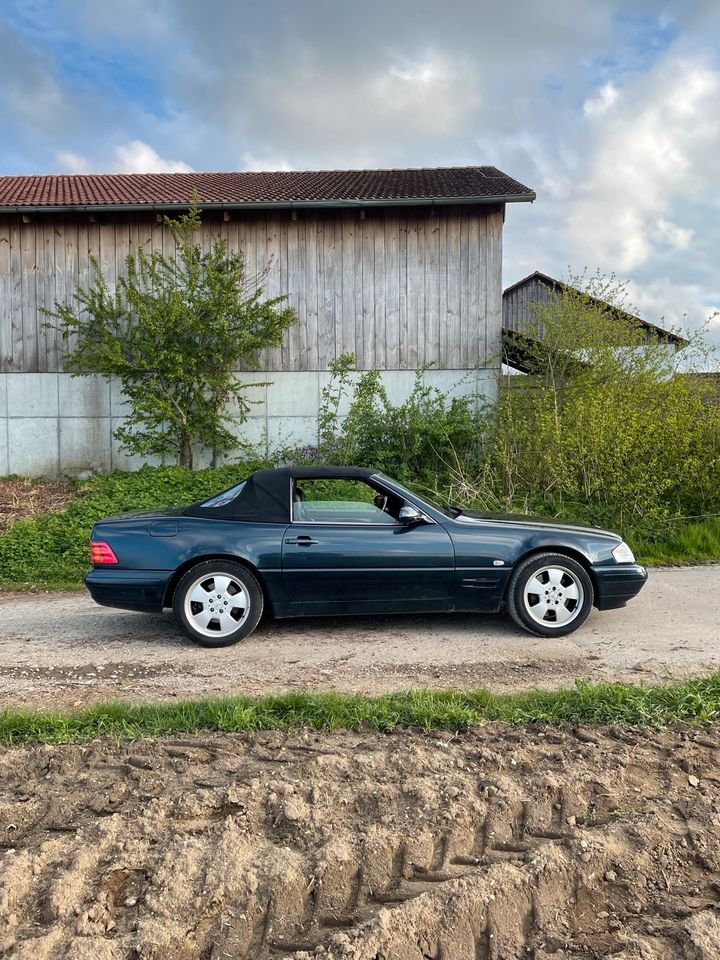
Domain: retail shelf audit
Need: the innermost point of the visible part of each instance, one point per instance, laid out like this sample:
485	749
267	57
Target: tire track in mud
496	844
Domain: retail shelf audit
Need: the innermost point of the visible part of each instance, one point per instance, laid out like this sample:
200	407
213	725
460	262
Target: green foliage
688	701
173	331
53	550
607	428
414	441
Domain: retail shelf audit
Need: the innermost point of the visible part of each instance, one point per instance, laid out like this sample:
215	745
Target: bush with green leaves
610	425
173	332
52	550
415	441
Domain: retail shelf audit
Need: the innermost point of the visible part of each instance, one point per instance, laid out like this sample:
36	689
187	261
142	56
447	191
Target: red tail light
101	552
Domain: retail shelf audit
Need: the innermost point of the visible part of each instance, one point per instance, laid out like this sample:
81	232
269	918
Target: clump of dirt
23	497
497	844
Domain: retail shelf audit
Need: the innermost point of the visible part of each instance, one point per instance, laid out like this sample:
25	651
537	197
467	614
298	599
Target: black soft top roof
265	495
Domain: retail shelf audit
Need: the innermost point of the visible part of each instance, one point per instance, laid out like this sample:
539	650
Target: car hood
144	514
473	516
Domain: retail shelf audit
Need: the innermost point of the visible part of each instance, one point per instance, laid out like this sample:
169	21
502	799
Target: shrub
415	441
607	427
53	549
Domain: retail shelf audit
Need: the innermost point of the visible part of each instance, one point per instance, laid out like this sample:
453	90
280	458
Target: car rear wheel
550	594
218	603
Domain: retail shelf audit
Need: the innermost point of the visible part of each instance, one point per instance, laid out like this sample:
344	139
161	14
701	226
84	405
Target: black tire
218	632
521	607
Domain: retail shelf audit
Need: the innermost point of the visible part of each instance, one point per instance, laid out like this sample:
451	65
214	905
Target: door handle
302	541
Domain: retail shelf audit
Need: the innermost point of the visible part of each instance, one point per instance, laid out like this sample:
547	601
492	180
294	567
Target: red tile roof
281	188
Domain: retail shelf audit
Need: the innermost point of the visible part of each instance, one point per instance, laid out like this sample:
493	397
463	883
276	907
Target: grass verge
49	550
684	543
691	701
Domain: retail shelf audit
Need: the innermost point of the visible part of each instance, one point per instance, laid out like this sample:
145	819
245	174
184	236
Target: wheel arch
205	558
563	550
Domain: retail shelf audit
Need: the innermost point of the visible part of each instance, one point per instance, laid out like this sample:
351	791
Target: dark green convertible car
345	540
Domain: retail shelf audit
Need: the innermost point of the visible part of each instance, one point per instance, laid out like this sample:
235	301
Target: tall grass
695	701
684	543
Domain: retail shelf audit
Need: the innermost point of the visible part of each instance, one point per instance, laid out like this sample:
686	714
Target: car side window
342	501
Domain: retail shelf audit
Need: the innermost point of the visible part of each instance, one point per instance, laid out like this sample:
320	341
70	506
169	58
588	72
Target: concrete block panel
291	432
456	383
83	396
255	392
3	394
4	462
253	437
398	384
32	394
325	378
120	458
293	394
84	444
119	406
33	445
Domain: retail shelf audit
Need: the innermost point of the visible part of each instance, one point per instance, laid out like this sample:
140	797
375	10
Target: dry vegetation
22	497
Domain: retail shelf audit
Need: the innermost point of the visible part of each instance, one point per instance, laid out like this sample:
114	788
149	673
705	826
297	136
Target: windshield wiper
455	511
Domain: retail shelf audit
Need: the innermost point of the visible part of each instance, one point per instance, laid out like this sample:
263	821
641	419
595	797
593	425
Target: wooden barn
523	300
403	268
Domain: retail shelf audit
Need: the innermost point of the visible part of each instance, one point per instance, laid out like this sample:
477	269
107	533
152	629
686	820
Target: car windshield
220	499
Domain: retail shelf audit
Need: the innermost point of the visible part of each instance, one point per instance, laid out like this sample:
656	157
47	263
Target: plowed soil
497	844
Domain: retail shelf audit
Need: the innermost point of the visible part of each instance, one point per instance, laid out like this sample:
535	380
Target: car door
335	553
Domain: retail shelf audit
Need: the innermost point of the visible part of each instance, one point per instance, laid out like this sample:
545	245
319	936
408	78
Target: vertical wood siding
519	313
400	288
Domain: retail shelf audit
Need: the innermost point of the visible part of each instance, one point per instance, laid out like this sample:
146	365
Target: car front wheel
218	603
550	594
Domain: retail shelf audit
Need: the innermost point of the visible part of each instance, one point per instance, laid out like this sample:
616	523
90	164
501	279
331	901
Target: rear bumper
618	584
128	589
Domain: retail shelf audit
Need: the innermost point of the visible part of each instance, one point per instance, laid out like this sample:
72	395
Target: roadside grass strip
694	701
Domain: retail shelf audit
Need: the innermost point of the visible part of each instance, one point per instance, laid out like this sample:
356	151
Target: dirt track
65	650
499	844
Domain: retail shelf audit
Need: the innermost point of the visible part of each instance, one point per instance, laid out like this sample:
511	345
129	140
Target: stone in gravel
693	780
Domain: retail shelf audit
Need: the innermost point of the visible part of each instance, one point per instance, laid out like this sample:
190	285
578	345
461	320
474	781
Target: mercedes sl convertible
305	541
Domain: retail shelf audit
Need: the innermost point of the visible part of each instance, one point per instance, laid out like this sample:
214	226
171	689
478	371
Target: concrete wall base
53	424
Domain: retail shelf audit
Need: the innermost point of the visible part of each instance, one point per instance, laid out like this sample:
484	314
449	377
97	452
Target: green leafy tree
611	424
173	331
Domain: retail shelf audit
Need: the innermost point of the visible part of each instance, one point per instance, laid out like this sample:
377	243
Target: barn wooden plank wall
399	288
519	314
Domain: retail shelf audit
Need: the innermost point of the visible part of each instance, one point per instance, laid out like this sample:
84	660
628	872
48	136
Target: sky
609	110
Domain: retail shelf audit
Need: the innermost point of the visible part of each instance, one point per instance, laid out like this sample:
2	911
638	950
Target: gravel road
61	649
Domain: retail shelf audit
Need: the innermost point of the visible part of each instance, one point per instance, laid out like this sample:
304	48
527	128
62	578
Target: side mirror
409	515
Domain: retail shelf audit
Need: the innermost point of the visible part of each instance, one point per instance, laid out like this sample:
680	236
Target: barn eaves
441	186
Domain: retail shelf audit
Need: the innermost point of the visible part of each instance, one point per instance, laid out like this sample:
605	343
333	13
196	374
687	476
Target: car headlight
623	554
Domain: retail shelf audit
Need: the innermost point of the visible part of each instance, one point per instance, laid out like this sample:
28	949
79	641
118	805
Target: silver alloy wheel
216	604
553	596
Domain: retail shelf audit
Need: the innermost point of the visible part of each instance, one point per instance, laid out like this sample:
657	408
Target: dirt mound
499	844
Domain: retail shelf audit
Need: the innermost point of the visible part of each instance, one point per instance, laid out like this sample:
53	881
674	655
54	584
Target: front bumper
617	584
128	589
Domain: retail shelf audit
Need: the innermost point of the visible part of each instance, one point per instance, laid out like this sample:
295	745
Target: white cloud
656	151
138	157
678	238
678	306
607	97
432	93
258	162
131	157
73	163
